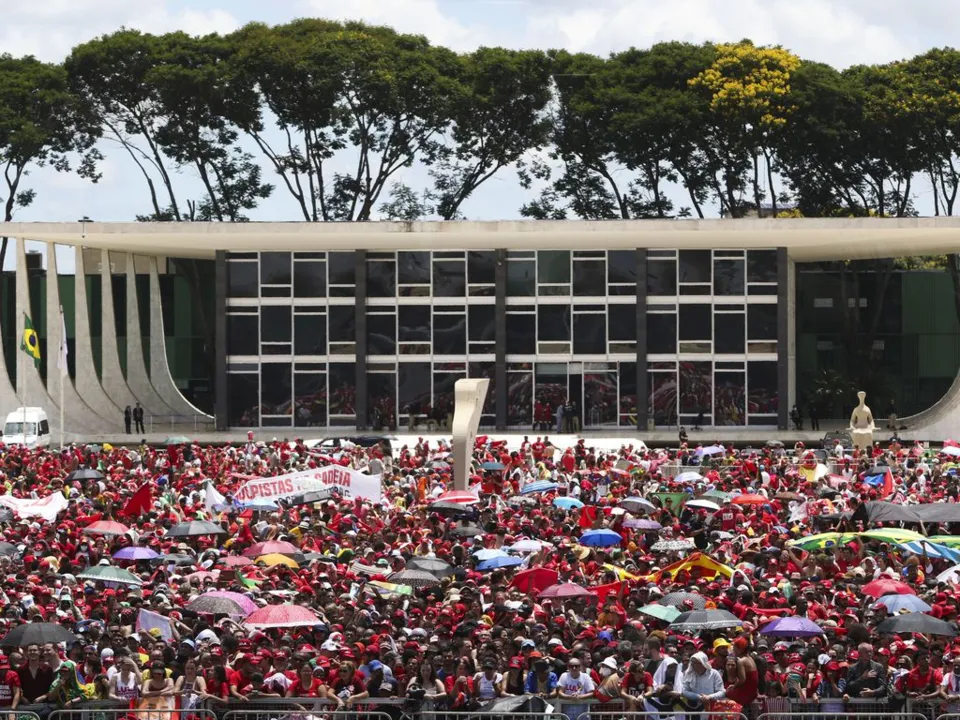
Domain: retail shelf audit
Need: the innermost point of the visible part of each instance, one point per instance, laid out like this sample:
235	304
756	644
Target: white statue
861	423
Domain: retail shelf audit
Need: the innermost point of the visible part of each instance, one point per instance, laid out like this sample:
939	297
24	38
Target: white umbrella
688	477
950	575
703	505
529	546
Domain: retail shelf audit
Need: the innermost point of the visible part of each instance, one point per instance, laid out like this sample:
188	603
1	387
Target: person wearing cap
487	684
541	680
831	689
609	688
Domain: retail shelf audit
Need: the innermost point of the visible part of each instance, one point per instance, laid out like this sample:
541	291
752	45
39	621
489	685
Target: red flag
140	503
601	591
588	515
887	483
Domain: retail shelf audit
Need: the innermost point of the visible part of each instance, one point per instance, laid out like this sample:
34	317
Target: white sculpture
861	424
467	409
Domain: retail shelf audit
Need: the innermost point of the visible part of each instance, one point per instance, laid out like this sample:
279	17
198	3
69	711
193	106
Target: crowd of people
668	580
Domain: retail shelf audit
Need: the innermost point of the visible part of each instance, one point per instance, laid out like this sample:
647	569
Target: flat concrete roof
806	239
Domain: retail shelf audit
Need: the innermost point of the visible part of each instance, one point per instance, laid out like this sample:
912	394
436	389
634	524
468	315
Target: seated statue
861	423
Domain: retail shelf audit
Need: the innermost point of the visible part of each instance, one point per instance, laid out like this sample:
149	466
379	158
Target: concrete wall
112	379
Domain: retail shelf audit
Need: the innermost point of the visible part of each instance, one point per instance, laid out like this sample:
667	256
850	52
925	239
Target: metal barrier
19	715
848	711
480	715
298	711
664	715
96	711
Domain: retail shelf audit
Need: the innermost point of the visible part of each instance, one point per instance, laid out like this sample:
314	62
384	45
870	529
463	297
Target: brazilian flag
30	343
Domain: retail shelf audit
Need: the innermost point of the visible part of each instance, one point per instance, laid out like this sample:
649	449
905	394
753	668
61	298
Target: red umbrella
237	561
887	586
281	616
271	546
459	496
567	591
106	527
535	579
750	500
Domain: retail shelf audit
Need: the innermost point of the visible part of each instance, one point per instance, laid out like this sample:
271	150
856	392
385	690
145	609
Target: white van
27	426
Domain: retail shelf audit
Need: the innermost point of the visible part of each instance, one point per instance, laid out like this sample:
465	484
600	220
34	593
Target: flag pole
63	370
23	391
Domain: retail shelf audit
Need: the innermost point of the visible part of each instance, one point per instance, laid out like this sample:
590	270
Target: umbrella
245	603
710	450
538	487
637	505
439	465
705	620
106	527
108	573
703	505
6	515
264	504
951	450
886	586
750	499
466	531
789	496
281	616
567	503
37	634
489	553
271	546
236	561
414	578
499	562
896	603
84	474
916	623
177	440
646	525
716	495
195	528
135	552
460	497
566	591
208	603
600	538
492	466
442	507
791	627
661	612
178	559
436	567
535	579
931	549
8	549
529	546
690	476
951	575
274	559
679	599
673	545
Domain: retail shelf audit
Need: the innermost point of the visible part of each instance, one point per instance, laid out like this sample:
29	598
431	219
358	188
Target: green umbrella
177	440
110	574
661	612
718	495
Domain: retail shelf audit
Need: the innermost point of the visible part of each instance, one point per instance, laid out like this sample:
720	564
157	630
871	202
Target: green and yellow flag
30	343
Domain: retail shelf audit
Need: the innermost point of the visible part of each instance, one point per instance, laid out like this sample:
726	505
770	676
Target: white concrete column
469	395
86	381
8	394
111	373
138	380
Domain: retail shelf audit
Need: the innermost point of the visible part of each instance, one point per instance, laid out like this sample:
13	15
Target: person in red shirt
9	685
239	679
923	681
309	685
349	685
636	682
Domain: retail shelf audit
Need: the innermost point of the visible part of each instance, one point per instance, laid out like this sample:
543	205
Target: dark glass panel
481	266
242	334
343	268
381	278
243	400
554	323
662	277
275	388
382	400
589	278
661	333
520	399
275	268
761	322
414	323
628	392
762	386
310	334
521	278
622	266
275	323
728	277
449	278
599	399
663	398
449	334
413	388
729	333
343	389
590	334
310	399
761	266
728	402
242	280
695	266
553	266
551	384
486	370
272	292
343	323
696	388
413	268
695	323
521	334
482	323
444	395
622	320
381	334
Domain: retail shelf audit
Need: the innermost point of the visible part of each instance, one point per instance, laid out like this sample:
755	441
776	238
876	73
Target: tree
41	124
404	204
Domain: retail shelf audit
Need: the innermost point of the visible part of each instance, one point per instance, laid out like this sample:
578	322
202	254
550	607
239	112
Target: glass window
696	388
243	400
275	323
414	323
343	389
275	268
590	334
663	398
310	334
728	277
661	333
449	278
520	399
599	399
553	266
382	334
551	384
728	399
242	334
343	268
481	266
444	395
449	334
589	278
662	277
761	322
695	323
623	322
413	267
275	388
628	393
413	388
343	323
761	266
695	266
521	281
310	279
242	279
382	400
310	399
622	266
729	333
381	278
554	323
762	386
521	334
482	323
485	370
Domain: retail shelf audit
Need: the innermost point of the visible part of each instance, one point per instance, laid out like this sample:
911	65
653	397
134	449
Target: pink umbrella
271	546
566	591
282	616
535	579
246	604
237	561
106	527
459	496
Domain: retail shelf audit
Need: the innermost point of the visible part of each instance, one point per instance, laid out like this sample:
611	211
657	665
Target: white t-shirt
951	684
581	685
487	689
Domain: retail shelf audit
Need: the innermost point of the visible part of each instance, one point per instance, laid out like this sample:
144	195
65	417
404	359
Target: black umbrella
6	515
414	578
706	620
436	567
916	623
195	528
309	497
678	599
8	549
176	559
466	531
452	509
37	634
85	474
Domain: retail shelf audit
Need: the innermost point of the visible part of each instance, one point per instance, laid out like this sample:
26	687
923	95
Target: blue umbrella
500	562
489	554
538	487
135	552
711	450
896	603
492	466
567	503
600	538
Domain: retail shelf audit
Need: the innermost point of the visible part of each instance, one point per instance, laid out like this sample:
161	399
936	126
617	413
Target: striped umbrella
460	497
538	487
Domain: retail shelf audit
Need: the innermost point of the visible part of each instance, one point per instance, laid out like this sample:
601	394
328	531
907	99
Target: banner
46	508
349	483
148	620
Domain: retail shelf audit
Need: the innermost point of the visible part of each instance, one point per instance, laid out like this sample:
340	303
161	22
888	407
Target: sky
839	32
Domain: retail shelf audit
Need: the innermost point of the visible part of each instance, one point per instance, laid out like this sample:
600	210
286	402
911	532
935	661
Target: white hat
610	662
